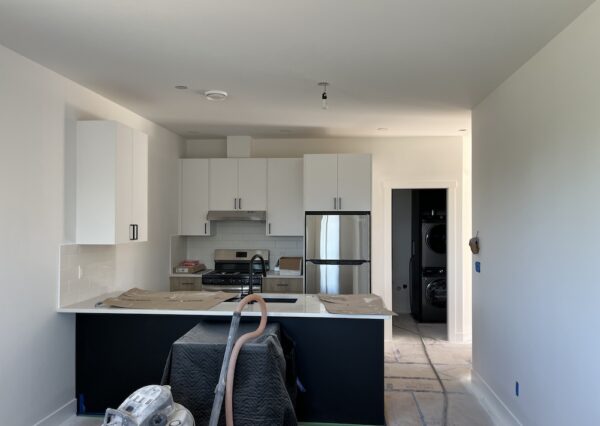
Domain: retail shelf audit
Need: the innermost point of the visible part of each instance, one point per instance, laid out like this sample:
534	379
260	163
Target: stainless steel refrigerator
338	253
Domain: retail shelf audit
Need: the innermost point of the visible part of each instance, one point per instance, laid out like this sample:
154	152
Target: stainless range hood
237	215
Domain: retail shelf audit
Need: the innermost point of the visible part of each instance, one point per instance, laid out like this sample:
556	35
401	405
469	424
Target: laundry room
420	255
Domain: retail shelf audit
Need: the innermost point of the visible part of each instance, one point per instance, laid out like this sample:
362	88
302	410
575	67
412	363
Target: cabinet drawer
283	285
186	284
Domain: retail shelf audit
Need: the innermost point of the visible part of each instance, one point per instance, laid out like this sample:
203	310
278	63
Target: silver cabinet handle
240	203
269	228
205	227
334	203
340	203
131	232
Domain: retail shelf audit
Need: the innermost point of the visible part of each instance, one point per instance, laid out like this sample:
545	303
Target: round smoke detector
215	95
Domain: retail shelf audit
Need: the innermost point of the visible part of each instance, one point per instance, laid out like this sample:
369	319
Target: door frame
455	273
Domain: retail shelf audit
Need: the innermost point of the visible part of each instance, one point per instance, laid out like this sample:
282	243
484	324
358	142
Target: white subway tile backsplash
242	235
97	266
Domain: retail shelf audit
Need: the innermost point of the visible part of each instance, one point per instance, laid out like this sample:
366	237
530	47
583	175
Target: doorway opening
419	255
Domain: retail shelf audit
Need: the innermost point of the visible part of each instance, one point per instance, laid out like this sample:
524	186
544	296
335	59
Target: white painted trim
498	411
455	298
60	415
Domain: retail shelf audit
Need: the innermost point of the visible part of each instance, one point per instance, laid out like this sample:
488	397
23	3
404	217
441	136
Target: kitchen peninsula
339	357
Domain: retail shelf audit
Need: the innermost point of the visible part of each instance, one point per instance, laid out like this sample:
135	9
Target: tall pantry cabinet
112	183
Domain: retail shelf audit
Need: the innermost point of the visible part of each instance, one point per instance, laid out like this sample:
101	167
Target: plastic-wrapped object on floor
149	406
261	377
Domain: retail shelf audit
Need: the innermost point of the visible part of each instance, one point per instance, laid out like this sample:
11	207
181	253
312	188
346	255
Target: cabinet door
283	285
252	184
285	215
354	182
320	182
223	184
139	205
194	197
96	182
124	187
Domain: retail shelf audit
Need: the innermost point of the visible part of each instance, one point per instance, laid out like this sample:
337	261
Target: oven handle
230	288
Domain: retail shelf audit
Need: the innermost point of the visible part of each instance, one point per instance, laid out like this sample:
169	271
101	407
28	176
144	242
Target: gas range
232	272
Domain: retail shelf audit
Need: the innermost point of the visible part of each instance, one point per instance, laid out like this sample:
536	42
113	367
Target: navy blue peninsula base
340	361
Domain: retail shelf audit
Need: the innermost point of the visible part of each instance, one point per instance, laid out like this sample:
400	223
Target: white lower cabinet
194	197
285	215
112	183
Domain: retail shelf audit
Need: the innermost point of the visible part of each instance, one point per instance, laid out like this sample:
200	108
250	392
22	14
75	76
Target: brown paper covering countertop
137	298
359	304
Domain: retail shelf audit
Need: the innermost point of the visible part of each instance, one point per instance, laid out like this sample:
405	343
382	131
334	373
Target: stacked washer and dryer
429	293
434	292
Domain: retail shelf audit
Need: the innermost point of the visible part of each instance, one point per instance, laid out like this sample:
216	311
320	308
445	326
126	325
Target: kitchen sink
268	299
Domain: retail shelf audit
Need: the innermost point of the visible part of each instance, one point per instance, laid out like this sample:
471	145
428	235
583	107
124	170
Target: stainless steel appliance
434	295
232	269
433	242
338	253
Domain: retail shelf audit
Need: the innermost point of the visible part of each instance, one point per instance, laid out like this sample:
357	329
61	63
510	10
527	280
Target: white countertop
307	306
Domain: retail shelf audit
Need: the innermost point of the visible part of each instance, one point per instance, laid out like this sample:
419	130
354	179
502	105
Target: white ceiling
415	67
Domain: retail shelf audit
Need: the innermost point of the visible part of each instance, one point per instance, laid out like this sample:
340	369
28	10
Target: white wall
401	249
536	156
415	161
38	110
242	235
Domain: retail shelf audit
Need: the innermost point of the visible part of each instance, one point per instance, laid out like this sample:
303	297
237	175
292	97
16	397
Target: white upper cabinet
238	184
337	182
252	187
354	182
320	182
112	183
223	184
139	205
285	215
194	197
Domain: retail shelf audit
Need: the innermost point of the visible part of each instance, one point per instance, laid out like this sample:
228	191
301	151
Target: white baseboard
498	411
60	415
460	338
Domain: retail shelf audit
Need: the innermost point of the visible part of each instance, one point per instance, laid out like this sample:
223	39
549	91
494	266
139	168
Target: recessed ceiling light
181	87
382	129
215	95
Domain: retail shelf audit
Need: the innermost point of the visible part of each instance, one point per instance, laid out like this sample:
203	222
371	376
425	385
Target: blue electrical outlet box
478	267
517	388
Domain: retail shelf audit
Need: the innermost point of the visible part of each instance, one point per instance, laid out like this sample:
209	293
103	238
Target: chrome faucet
251	272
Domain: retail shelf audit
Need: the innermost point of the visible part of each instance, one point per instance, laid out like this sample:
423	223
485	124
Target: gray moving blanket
265	383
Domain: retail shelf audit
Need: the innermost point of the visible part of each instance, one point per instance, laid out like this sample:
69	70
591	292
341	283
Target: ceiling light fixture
181	87
382	129
324	98
215	95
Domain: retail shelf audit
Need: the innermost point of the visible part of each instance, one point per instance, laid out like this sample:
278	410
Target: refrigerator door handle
337	262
